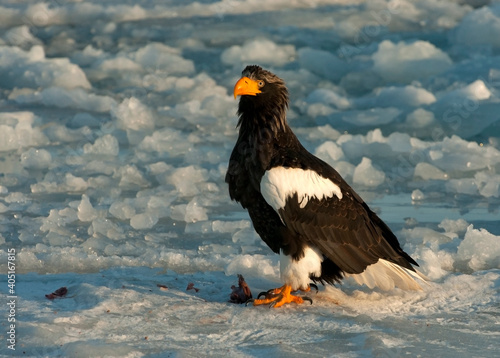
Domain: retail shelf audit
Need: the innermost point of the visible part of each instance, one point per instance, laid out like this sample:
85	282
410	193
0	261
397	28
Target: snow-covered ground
116	124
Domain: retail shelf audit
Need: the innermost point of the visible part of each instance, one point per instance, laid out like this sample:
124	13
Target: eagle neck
260	133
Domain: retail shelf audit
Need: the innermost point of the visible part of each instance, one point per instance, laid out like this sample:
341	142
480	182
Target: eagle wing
345	231
319	209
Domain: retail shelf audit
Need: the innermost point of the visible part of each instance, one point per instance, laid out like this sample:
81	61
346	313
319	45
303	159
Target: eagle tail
386	275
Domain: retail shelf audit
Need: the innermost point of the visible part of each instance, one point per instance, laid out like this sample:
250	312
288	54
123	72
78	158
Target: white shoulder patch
280	183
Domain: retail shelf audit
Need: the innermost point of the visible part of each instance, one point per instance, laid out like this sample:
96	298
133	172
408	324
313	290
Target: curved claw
250	300
314	286
263	294
305	298
270	293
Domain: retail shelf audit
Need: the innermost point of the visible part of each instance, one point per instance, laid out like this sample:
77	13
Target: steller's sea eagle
301	207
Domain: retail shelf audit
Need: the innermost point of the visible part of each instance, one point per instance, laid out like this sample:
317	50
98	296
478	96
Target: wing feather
344	230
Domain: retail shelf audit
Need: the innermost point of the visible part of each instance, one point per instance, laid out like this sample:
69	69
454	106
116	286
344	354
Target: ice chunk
366	174
106	228
480	249
32	69
143	221
70	183
454	226
130	176
17	197
160	203
420	118
190	213
87	56
329	151
178	212
262	51
186	179
159	168
326	96
21	36
419	235
195	212
245	236
198	87
119	64
399	142
86	211
322	63
404	62
417	195
488	184
65	98
372	116
319	133
133	114
229	226
475	91
436	263
428	171
148	68
121	210
318	110
17	131
36	159
456	153
479	27
407	96
166	140
462	186
74	184
160	57
188	110
58	218
253	266
105	145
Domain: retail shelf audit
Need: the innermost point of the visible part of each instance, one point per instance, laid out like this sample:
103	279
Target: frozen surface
116	124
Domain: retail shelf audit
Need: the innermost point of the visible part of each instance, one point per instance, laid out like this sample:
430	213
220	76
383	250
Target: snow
116	125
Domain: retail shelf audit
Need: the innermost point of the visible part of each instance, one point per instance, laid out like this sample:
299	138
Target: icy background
116	124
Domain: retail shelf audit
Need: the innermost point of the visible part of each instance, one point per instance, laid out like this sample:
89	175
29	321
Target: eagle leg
280	296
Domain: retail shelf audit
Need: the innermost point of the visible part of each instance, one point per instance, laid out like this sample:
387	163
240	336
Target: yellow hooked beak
246	86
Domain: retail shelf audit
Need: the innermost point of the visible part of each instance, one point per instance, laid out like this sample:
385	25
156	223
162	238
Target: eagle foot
276	291
280	296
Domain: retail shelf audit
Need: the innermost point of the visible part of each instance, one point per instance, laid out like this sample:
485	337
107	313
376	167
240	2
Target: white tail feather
387	275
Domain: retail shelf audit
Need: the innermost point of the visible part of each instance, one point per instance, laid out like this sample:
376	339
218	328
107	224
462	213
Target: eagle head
263	97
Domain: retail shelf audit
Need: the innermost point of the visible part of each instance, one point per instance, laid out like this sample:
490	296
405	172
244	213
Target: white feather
387	275
296	273
280	183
